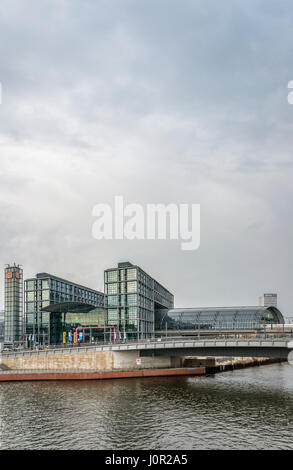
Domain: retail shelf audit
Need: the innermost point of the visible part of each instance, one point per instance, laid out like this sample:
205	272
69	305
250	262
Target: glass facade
217	318
63	325
46	290
132	297
13	304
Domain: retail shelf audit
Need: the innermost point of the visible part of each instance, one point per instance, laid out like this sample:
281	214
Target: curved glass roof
220	317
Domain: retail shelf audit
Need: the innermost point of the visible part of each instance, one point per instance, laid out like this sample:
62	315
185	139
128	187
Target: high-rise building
13	304
44	290
268	300
132	298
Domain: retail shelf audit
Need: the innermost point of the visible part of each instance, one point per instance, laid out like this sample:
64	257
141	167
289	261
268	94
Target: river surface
244	409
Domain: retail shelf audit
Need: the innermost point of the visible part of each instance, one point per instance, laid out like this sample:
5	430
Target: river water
244	409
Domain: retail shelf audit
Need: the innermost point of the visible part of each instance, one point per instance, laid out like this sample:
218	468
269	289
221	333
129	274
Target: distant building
132	298
13	304
268	300
44	290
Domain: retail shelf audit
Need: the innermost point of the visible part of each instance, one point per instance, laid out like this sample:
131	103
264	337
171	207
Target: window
112	313
30	296
45	284
112	288
112	276
30	285
45	318
132	299
132	286
113	300
30	307
45	294
112	316
131	273
30	318
132	312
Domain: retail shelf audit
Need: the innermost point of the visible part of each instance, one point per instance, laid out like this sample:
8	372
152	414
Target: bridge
131	356
266	346
276	348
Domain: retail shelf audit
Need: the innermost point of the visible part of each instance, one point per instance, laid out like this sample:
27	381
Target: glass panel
112	300
45	294
30	296
112	276
131	273
112	288
30	285
132	286
132	299
30	307
45	284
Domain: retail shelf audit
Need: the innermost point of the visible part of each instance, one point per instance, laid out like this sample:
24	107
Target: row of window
129	299
120	275
36	306
59	286
56	297
126	287
123	287
43	317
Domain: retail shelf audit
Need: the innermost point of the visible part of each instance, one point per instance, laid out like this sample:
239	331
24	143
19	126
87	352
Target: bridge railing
162	339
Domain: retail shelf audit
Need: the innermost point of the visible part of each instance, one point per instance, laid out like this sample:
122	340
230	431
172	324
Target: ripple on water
244	409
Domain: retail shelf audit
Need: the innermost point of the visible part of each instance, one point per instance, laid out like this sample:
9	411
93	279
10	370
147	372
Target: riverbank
217	365
193	367
21	375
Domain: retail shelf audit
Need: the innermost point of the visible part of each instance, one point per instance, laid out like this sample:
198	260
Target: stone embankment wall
80	360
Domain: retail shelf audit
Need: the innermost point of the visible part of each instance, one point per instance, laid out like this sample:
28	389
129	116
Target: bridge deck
255	347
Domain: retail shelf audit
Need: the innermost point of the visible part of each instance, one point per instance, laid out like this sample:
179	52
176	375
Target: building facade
268	300
74	322
44	290
13	305
132	298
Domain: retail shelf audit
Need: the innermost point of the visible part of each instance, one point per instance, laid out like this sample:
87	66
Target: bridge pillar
134	360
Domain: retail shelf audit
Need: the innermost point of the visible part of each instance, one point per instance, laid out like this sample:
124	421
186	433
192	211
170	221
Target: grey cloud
161	101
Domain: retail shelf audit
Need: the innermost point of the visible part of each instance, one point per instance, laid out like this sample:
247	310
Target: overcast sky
159	101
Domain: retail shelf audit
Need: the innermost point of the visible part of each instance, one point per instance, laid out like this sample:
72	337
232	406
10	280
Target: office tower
132	299
13	304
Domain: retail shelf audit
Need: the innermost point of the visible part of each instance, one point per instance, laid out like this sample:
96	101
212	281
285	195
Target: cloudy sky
159	101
